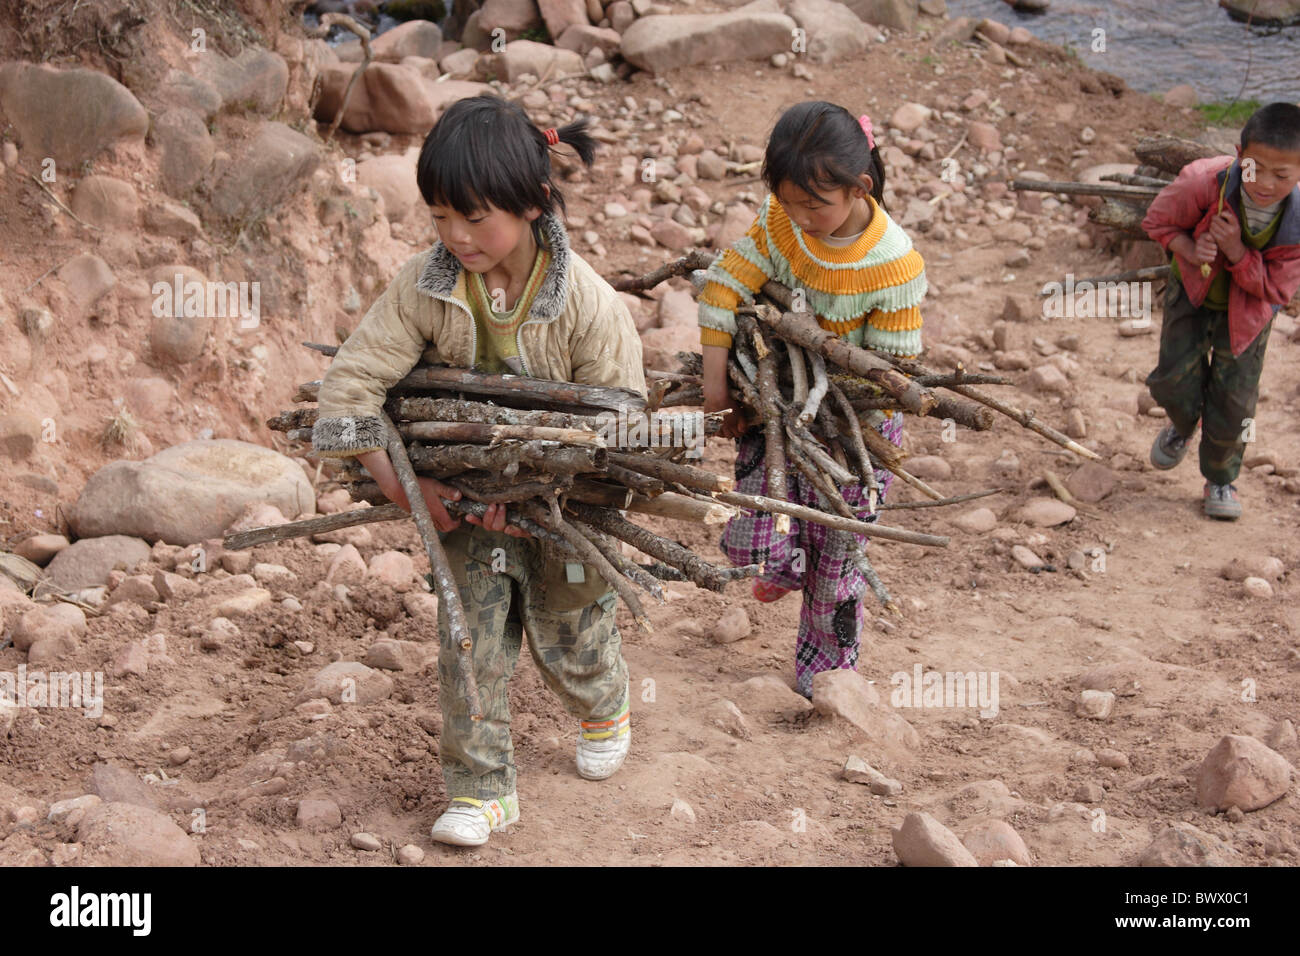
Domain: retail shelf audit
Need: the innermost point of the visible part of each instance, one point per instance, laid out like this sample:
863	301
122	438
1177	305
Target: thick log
291	419
1170	153
1120	215
493	489
532	392
696	569
690	395
769	395
672	471
644	484
446	460
419	408
838	523
479	433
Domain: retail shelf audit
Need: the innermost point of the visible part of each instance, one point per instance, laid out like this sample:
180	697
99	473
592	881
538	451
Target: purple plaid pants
809	557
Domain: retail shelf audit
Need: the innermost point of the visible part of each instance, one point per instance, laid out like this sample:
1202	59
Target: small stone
1115	759
1045	513
365	841
347	567
977	521
1089	792
179	756
909	117
40	548
246	602
727	717
1087	135
929	468
1050	379
1282	736
1026	558
1091	482
174	588
274	575
682	811
131	658
138	589
924	841
1076	560
1095	704
732	626
410	855
63	810
1257	588
393	568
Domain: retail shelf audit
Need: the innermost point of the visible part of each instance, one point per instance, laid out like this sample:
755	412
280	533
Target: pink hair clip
865	121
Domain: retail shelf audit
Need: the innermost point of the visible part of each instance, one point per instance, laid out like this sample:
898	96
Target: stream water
1156	44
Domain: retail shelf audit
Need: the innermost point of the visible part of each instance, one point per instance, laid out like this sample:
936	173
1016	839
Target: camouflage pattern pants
510	586
1198	378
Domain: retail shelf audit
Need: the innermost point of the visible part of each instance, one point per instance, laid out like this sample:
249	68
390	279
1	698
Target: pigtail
575	134
877	177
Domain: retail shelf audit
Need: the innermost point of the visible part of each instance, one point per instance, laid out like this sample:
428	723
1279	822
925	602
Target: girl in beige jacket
501	291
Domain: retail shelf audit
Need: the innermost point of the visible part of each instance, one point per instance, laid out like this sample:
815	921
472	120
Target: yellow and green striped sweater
869	293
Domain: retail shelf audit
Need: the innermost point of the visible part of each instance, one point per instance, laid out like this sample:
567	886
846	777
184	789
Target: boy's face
484	238
815	217
1275	173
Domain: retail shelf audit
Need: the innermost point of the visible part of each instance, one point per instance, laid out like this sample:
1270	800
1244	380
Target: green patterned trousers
510	586
1198	378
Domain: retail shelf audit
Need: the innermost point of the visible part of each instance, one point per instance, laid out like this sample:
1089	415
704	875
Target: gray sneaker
1221	501
1169	448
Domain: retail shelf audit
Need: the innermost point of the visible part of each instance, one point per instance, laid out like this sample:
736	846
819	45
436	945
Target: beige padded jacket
578	330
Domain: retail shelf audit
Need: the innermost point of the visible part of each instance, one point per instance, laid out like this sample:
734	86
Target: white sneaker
469	822
603	745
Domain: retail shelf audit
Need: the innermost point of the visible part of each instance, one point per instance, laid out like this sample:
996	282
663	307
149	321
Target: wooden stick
481	433
650	487
1131	179
419	408
763	503
910	479
799	374
621	563
447	460
942	502
857	445
1085	189
696	569
670	504
308	526
687	264
444	581
592	555
818	390
1058	488
666	572
599	493
859	557
824	486
670	471
804	331
342	19
1027	420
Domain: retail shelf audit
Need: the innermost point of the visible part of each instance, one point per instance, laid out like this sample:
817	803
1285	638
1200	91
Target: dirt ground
1182	642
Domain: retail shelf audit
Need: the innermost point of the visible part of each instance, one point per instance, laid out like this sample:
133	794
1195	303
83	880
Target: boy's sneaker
1169	448
469	822
767	593
603	744
1221	501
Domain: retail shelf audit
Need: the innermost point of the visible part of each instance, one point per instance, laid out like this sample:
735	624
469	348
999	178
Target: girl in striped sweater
823	230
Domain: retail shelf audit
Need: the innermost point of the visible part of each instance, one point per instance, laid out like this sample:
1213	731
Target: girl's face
818	218
484	238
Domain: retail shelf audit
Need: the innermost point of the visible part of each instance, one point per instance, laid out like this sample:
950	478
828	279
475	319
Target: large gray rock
86	563
190	492
539	59
388	98
255	80
70	115
831	29
273	165
187	149
662	43
413	38
177	334
393	177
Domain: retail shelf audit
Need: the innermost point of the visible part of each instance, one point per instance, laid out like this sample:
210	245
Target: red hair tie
865	122
552	137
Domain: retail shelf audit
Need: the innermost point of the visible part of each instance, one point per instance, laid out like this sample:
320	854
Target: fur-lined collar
442	271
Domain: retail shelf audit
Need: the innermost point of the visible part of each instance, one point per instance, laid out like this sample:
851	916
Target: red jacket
1262	281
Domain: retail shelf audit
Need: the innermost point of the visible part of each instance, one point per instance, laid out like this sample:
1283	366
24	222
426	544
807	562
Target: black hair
821	145
484	150
1276	125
